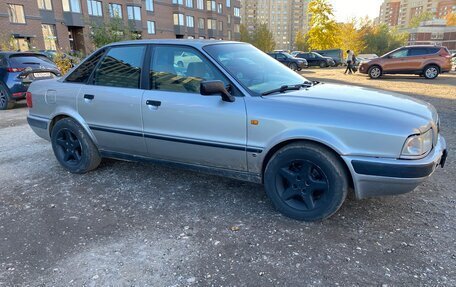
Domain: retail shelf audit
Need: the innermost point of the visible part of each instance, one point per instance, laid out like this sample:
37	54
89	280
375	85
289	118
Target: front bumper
363	68
380	176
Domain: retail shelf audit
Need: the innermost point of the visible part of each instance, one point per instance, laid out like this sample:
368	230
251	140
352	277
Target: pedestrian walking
350	55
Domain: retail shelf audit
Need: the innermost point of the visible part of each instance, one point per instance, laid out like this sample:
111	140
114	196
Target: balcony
47	17
73	19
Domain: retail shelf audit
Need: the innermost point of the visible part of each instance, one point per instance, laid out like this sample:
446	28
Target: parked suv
288	60
426	61
315	59
18	70
234	111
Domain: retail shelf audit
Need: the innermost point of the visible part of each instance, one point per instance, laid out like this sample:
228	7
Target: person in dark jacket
350	56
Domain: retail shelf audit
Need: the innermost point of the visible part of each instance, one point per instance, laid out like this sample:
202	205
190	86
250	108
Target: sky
344	10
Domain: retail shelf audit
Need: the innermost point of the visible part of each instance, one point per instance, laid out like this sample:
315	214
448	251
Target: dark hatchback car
288	60
18	70
315	59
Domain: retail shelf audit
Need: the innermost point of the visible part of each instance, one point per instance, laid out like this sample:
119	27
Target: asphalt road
132	224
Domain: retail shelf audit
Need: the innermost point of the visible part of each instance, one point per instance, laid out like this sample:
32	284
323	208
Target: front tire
431	72
73	148
323	64
306	181
5	101
293	66
375	72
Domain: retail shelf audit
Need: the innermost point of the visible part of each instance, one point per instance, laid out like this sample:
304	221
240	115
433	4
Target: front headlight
417	145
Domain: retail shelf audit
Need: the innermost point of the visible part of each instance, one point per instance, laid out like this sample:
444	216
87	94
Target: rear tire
5	101
73	148
375	72
306	181
431	72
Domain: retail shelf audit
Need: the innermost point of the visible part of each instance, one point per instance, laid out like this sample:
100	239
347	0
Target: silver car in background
232	110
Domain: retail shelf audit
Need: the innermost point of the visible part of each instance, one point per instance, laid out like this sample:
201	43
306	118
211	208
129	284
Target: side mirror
216	87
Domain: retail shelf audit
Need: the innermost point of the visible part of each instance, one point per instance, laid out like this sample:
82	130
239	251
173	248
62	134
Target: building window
228	3
200	4
220	26
179	2
115	10
237	28
134	13
151	27
211	5
230	37
190	22
45	4
150	5
211	24
94	8
220	8
201	23
237	12
50	40
71	6
189	3
16	13
179	19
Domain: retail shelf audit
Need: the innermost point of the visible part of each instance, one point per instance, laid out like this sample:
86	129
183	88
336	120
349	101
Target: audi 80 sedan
236	112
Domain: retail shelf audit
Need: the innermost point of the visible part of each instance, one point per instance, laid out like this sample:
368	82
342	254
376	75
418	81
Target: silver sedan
232	110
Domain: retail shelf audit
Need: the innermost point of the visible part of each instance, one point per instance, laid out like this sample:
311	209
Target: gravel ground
131	224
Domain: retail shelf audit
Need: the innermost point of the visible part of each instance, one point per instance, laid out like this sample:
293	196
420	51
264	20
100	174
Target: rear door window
83	72
24	61
121	67
418	52
434	50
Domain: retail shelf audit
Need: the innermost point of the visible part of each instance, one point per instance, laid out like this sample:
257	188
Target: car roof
422	46
197	43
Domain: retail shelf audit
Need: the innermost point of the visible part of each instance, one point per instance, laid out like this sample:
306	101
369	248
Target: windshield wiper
284	88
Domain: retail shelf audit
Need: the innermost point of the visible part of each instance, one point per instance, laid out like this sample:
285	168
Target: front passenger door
184	126
397	61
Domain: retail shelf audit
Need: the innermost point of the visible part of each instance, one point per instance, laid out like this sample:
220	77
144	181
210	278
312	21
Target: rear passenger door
184	126
416	58
111	101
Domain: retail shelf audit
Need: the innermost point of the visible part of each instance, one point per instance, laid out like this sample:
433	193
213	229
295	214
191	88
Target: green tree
262	38
109	31
380	39
425	16
323	29
300	42
245	35
451	19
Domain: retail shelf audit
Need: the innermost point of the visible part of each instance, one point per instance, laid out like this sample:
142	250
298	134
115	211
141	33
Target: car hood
357	98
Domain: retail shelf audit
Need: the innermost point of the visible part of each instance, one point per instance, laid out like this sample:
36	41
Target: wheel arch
328	147
432	64
77	118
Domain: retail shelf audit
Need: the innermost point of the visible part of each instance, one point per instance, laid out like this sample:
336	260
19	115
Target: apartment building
65	24
401	12
434	32
284	18
389	12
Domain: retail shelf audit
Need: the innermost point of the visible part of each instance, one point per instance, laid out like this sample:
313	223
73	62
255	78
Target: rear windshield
24	61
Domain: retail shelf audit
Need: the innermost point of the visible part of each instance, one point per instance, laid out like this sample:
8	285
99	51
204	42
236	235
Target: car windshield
318	55
287	55
254	69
